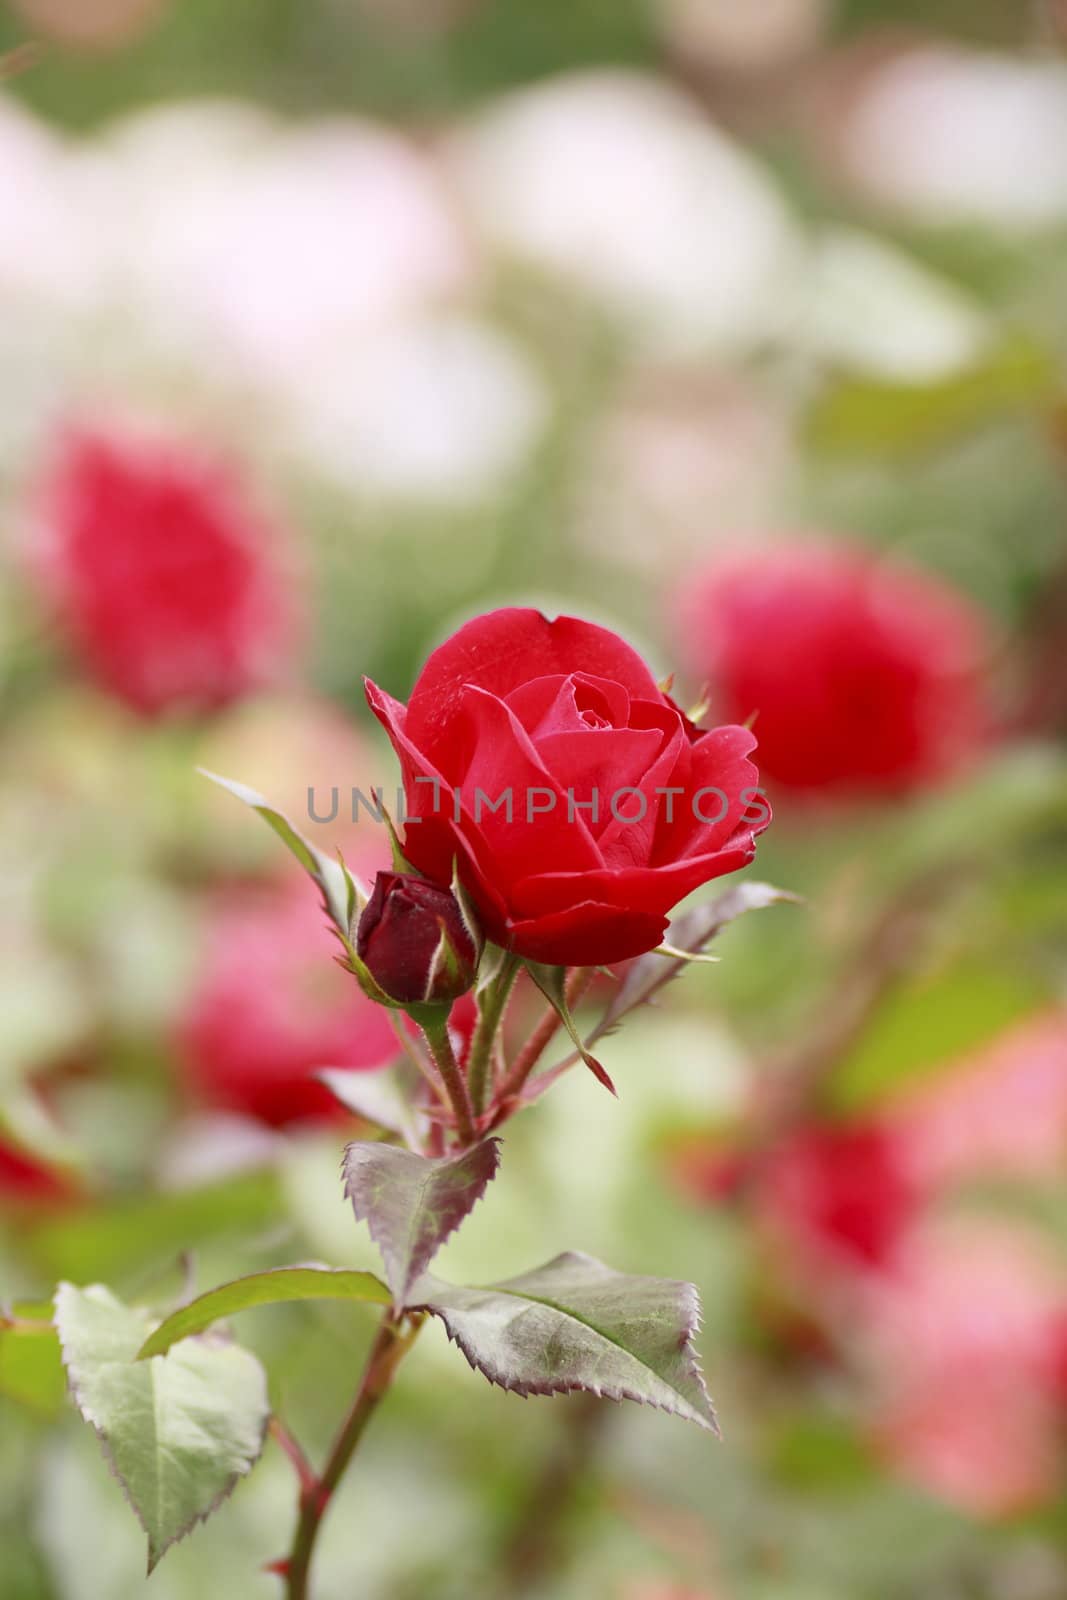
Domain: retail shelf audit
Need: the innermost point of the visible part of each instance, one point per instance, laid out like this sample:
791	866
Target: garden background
445	304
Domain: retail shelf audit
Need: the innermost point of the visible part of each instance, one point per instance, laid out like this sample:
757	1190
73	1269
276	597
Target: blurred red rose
838	1196
560	716
26	1181
271	1006
163	576
862	676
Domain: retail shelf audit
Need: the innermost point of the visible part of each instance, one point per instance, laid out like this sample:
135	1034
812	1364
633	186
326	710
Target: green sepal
552	982
400	860
336	884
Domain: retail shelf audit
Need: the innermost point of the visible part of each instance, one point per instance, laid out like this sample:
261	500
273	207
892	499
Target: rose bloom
163	577
270	1007
861	676
517	713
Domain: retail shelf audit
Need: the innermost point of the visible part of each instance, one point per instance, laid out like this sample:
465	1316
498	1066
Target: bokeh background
738	325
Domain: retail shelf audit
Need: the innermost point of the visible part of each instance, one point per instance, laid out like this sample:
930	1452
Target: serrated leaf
575	1324
177	1430
413	1203
690	932
277	1284
552	982
332	877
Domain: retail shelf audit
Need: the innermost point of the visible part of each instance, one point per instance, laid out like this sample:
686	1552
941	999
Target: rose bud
416	941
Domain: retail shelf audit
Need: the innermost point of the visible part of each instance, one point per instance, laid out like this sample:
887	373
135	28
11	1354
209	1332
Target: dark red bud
416	942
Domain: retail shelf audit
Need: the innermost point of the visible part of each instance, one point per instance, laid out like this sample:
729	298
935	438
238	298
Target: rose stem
537	1545
536	1045
440	1044
305	1472
413	1051
386	1353
490	1015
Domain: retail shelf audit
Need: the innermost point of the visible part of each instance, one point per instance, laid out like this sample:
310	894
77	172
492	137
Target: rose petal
585	935
507	648
557	704
651	891
627	840
719	764
432	841
598	766
504	762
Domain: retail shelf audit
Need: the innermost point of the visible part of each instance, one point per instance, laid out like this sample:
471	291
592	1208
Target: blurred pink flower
165	580
91	24
965	1345
663	1589
271	1006
861	675
1002	1112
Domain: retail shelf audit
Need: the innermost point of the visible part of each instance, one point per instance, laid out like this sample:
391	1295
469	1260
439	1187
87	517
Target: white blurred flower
953	136
875	310
264	246
621	185
683	462
46	257
442	409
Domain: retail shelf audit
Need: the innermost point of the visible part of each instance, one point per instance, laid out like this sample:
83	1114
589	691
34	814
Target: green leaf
273	1287
577	1324
333	878
400	860
859	415
552	982
383	1097
135	1233
689	932
928	1024
177	1430
30	1369
413	1203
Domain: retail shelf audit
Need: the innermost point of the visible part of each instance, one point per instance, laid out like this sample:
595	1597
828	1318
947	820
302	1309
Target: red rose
839	1196
270	1008
860	675
610	806
161	575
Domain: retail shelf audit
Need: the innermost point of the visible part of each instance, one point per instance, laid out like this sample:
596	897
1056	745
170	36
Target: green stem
436	1030
386	1353
490	1015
